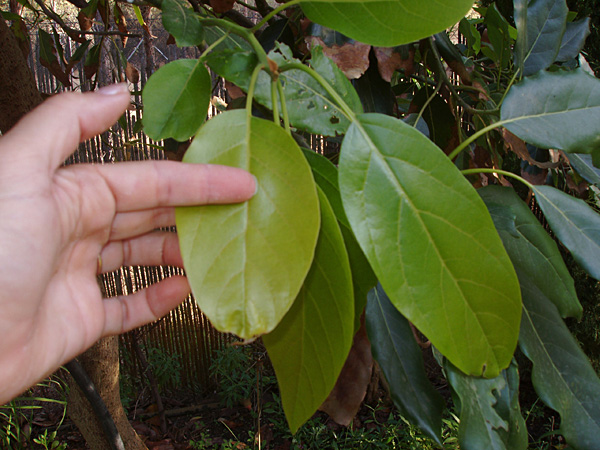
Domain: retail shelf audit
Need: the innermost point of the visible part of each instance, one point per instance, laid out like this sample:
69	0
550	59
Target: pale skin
55	222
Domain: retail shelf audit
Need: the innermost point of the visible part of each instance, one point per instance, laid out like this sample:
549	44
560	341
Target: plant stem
251	88
246	35
427	102
506	173
212	46
344	108
284	111
274	13
274	103
474	137
444	77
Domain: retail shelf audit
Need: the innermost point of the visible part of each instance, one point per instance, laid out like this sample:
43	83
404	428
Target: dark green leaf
401	361
572	42
562	375
363	278
499	36
182	22
234	65
231	41
386	22
533	252
437	114
176	99
575	224
545	25
431	243
310	345
585	167
246	262
555	110
490	415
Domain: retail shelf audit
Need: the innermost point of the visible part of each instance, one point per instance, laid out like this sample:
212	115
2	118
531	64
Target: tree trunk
18	90
101	362
18	95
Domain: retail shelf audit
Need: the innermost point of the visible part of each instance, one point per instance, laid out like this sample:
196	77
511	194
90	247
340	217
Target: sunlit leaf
545	24
182	22
431	243
176	99
533	252
575	224
562	375
555	110
310	345
386	22
490	415
401	361
246	262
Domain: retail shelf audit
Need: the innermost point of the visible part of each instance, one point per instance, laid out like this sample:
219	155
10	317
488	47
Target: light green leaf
558	110
562	375
401	361
431	243
490	416
363	278
545	25
386	23
182	22
309	347
533	252
574	38
499	36
575	224
246	262
176	99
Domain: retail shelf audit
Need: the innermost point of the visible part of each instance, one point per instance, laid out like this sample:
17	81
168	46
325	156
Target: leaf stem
212	46
244	33
344	108
428	101
274	102
274	13
251	88
284	111
506	173
474	137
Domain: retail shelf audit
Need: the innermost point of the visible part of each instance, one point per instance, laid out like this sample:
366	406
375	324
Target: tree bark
18	95
101	362
18	90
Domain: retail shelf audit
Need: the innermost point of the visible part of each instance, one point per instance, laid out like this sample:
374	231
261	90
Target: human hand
56	221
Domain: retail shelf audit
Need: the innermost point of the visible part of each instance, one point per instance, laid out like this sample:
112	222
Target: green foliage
474	276
234	250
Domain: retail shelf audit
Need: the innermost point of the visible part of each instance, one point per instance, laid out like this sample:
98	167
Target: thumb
52	131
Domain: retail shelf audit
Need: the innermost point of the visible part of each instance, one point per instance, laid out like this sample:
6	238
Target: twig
77	34
442	72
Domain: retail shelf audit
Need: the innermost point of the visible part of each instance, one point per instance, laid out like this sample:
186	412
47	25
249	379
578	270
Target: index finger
144	185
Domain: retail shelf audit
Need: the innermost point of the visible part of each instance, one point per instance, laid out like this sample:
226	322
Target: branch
440	69
77	35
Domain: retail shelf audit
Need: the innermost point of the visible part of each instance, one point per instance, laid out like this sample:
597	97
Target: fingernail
255	185
114	89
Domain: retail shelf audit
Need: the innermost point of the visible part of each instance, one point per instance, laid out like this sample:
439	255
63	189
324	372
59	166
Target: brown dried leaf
132	74
351	387
352	57
85	22
222	6
389	59
170	40
519	147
